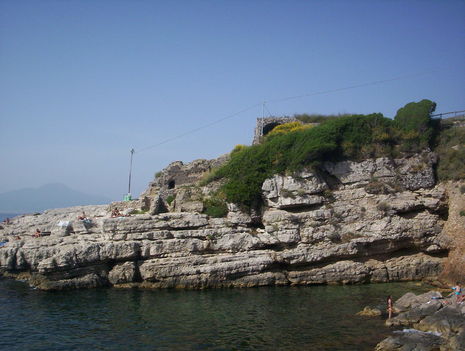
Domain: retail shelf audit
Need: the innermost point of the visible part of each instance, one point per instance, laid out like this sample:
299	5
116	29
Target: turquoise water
270	318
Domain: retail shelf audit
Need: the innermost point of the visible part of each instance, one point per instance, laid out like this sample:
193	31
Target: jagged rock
415	314
123	273
447	321
412	173
439	324
188	199
410	300
457	342
411	340
298	190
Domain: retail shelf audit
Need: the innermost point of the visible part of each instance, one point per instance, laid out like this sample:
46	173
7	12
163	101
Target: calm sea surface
7	215
270	318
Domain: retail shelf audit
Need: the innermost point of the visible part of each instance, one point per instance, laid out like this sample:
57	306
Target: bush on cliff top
287	128
317	118
451	154
349	137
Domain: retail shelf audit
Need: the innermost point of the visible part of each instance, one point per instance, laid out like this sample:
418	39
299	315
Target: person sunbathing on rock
116	213
82	217
37	233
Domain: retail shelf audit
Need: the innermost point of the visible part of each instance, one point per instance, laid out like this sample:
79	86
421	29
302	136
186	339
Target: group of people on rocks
456	292
83	217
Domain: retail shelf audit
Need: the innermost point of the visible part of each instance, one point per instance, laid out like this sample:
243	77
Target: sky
84	82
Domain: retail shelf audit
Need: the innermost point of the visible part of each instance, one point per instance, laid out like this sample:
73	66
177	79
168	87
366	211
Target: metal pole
130	171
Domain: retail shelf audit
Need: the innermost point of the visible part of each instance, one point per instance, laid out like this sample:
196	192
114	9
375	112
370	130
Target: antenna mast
130	171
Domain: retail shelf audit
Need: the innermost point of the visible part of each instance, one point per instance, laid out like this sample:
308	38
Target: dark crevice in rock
332	181
99	269
302	208
276	247
412	213
137	276
256	223
442	212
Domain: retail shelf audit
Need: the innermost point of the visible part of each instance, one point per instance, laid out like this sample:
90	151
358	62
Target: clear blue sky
82	82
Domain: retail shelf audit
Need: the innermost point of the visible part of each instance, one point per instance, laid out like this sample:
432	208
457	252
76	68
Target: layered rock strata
348	222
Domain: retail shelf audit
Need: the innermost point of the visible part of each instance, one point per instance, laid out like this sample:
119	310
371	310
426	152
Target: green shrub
462	213
338	138
238	148
415	120
451	154
317	118
355	137
215	207
169	199
287	128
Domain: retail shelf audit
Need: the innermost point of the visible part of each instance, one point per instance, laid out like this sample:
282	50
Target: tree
415	119
415	115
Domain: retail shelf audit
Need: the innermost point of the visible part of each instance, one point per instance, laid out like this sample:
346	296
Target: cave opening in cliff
171	184
269	127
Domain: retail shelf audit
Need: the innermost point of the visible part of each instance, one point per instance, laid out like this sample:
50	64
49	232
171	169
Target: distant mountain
46	197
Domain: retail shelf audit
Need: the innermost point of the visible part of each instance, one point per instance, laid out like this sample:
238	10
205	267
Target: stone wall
266	124
172	182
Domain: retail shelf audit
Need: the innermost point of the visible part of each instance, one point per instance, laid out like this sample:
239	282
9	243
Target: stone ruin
266	125
176	188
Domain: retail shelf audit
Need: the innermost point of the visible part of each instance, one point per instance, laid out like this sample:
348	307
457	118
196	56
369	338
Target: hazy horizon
45	197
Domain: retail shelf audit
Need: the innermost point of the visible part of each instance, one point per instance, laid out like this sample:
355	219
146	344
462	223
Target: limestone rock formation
430	323
334	225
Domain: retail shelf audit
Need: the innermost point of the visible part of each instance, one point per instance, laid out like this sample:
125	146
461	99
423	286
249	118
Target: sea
7	215
319	318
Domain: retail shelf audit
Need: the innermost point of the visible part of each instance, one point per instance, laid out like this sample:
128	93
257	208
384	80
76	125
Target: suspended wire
267	110
199	128
263	104
348	88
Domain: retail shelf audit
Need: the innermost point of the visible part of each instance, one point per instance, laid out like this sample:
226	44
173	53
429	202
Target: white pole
130	171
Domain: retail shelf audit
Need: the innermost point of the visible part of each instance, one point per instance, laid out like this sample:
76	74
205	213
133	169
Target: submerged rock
370	312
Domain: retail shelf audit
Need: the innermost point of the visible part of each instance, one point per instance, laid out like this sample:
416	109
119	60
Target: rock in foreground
430	323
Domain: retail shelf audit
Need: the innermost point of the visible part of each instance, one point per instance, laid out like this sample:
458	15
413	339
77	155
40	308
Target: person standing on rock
389	306
37	233
457	291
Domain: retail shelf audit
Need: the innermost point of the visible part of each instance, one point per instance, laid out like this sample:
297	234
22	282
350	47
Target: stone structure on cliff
266	125
351	222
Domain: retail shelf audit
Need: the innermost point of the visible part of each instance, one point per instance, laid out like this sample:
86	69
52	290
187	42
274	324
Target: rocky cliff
351	222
